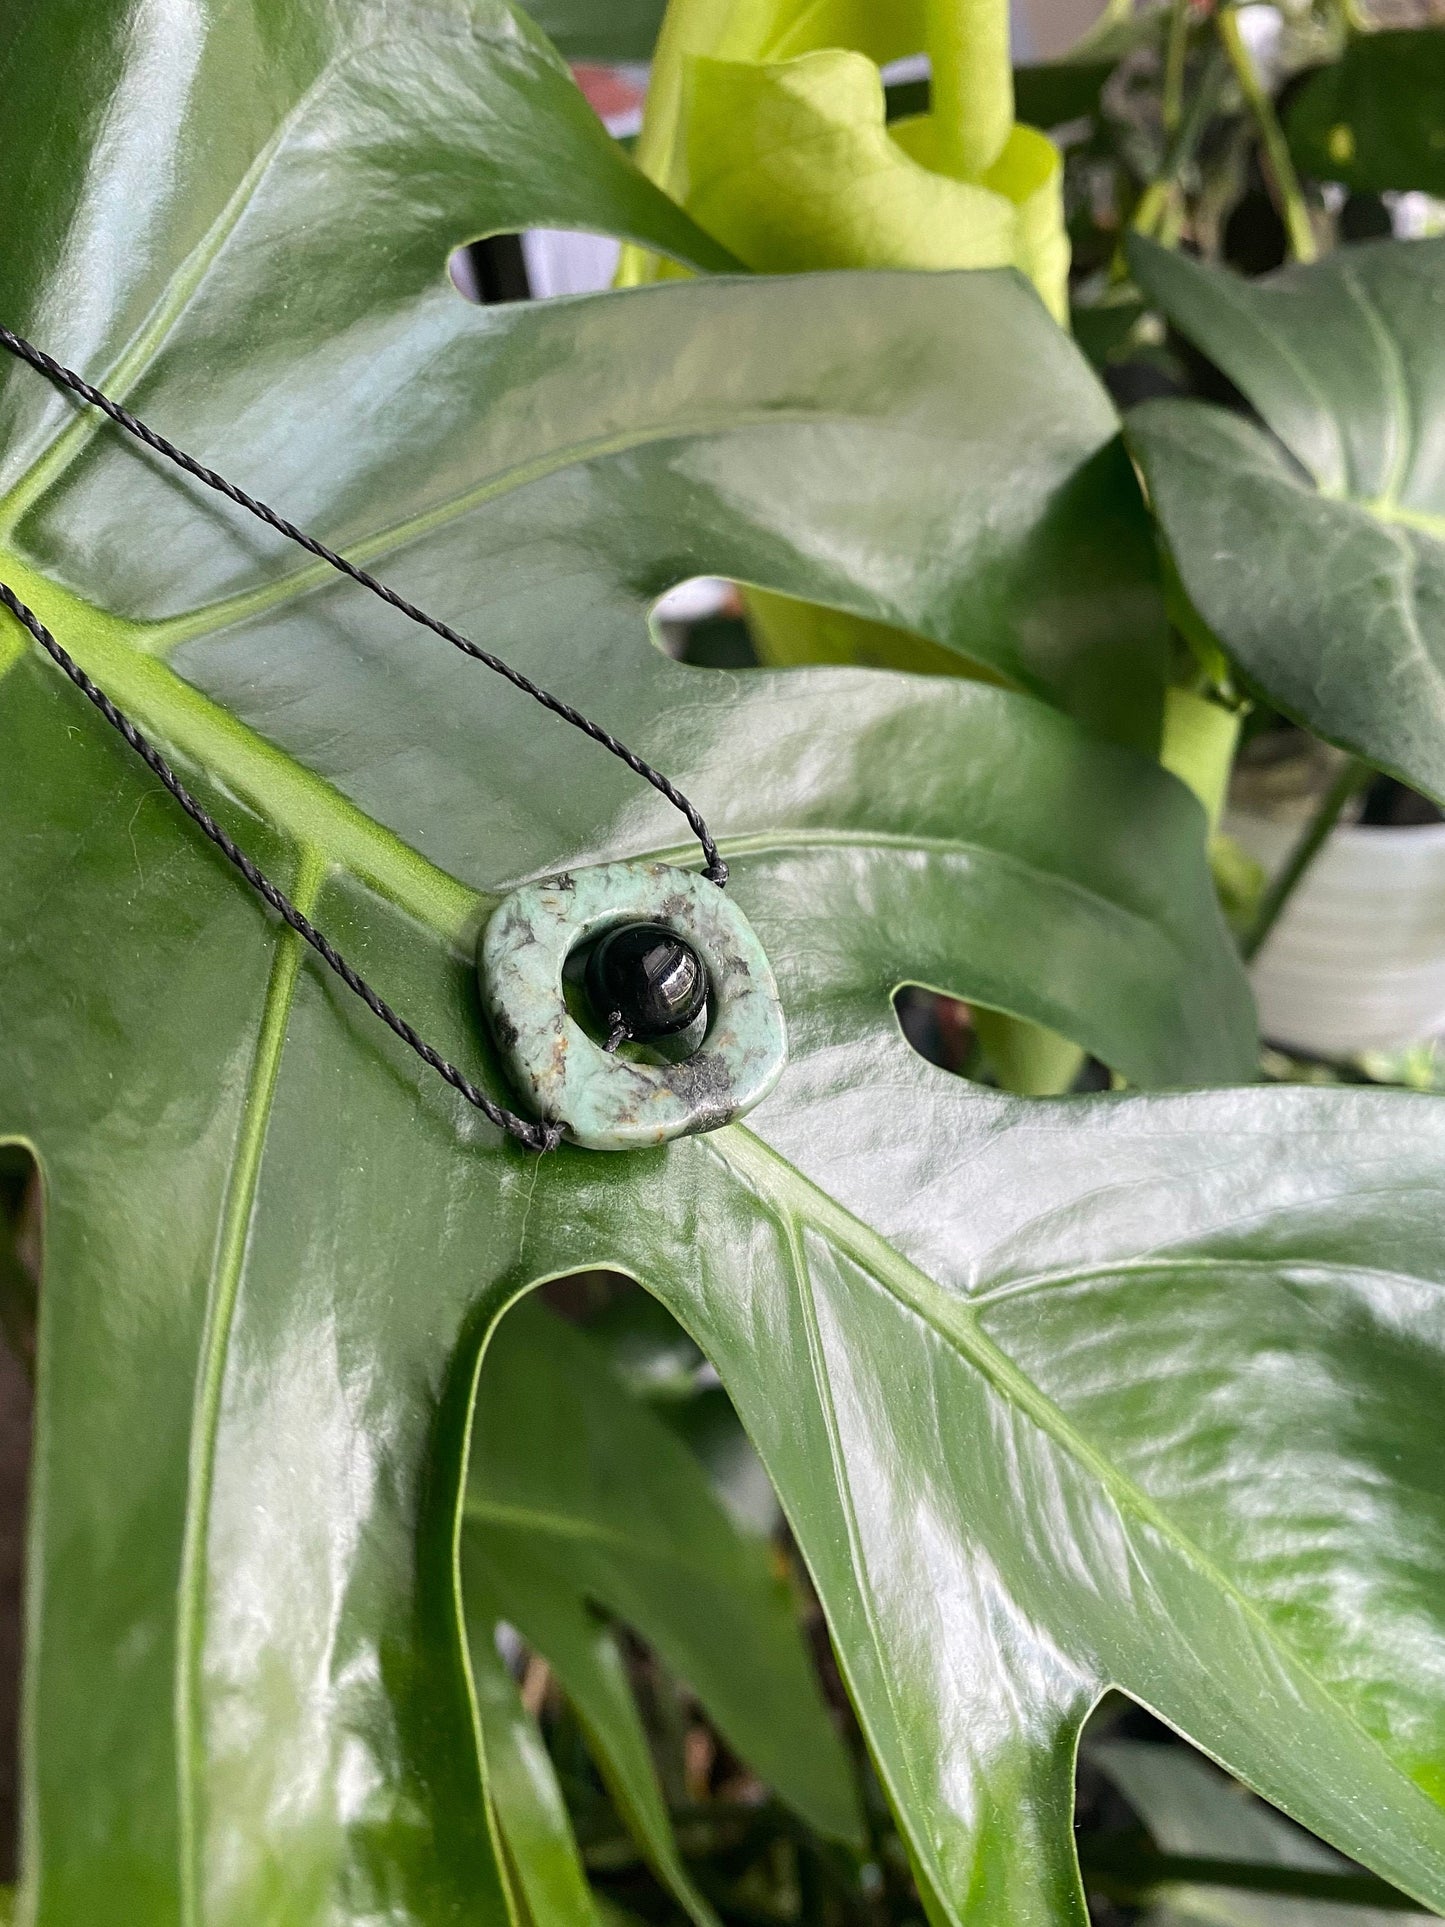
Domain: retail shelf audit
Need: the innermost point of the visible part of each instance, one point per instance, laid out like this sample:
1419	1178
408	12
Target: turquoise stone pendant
604	1100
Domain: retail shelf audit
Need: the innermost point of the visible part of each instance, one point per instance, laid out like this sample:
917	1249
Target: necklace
572	968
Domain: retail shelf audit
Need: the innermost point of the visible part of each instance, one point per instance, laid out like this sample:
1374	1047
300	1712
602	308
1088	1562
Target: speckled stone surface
611	1103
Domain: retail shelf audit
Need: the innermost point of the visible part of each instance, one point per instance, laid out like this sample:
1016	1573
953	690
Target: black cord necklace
651	963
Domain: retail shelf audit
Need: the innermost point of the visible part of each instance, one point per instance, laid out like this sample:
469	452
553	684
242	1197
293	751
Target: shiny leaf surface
1025	1375
245	1691
1314	545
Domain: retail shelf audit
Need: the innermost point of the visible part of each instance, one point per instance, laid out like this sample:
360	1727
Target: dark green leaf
530	1812
1192	1809
1025	1458
271	1238
1314	545
1376	117
579	1498
1056	91
600	29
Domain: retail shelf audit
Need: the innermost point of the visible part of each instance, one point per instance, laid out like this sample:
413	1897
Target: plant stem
1154	201
1303	245
972	101
1171	107
1128	1868
1349	780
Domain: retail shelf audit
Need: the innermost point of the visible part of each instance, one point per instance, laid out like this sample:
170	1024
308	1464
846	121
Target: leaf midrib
170	632
770	1174
301	805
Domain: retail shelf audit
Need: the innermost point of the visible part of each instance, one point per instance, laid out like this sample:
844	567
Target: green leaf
527	1801
274	1240
1025	1457
578	1498
1191	1809
1314	545
770	123
1020	1372
115	224
600	29
585	1656
1055	91
1375	118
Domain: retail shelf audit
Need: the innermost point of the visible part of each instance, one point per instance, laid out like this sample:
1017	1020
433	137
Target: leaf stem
1171	106
1148	215
1298	227
1133	1870
972	101
1351	777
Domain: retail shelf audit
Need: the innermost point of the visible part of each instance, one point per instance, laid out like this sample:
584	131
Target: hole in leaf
989	1048
20	1259
940	1028
703	622
622	1557
537	264
1151	1813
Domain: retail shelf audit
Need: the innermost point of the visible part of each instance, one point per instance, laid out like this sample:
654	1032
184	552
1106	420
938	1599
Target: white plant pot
1357	960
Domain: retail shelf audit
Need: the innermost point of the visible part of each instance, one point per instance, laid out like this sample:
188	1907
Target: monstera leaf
1312	541
770	123
1050	1392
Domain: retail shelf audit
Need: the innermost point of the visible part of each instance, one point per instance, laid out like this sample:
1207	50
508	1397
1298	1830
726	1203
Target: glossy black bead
648	977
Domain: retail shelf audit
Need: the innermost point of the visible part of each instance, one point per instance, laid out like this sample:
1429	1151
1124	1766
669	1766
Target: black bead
648	977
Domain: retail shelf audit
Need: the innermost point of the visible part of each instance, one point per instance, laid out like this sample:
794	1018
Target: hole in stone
674	1049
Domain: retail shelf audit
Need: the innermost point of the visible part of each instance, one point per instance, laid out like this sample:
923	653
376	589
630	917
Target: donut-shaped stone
609	1102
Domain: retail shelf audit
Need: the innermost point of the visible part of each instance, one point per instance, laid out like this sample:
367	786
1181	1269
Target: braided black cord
537	1137
716	870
